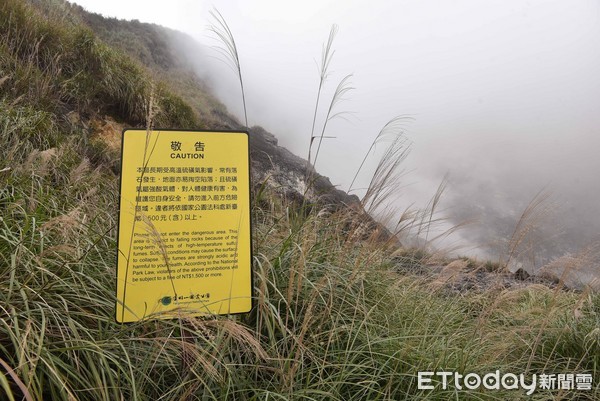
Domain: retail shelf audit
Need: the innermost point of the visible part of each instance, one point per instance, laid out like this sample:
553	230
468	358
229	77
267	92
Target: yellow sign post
184	242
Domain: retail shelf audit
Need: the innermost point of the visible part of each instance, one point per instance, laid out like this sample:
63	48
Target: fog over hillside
504	96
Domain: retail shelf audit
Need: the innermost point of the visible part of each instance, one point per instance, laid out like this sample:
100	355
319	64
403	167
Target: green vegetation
57	67
153	46
334	320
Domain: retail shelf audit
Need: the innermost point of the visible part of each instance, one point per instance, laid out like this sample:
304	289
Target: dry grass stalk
326	56
537	209
228	50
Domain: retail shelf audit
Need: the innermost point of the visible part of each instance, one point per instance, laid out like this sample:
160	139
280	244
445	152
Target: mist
503	94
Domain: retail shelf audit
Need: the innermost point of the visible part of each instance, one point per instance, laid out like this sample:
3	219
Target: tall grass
326	56
228	51
56	67
331	321
518	245
341	90
392	130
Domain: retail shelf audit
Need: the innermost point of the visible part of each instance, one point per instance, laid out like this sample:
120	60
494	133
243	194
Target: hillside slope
165	53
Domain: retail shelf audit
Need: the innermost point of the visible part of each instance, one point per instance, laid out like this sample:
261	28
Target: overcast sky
505	94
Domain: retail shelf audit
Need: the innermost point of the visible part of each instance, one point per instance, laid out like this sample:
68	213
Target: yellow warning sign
184	241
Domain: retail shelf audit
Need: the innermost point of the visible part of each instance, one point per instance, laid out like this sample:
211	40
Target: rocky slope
164	52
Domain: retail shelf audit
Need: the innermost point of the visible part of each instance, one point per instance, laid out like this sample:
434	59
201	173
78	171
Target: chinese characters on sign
184	224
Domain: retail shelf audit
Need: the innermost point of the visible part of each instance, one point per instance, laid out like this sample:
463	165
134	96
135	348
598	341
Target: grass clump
59	66
331	320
